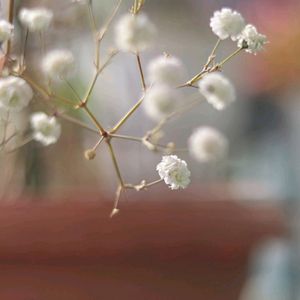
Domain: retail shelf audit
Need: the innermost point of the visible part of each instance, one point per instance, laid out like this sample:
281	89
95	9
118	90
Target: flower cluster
228	23
162	83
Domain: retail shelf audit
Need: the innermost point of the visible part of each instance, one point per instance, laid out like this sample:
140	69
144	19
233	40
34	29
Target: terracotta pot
154	249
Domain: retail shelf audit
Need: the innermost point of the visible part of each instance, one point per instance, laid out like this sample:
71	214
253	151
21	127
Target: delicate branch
127	115
141	71
143	185
116	166
76	122
93	118
11	7
93	82
219	65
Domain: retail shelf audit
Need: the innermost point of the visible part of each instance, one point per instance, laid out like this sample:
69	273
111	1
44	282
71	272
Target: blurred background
262	174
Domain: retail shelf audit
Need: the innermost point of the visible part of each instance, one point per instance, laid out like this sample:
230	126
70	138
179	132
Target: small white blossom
134	33
46	129
166	69
58	64
15	93
217	90
160	101
6	31
36	19
174	172
252	40
227	23
207	144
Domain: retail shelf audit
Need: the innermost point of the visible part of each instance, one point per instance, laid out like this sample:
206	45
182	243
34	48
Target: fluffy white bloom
160	101
207	144
6	31
46	129
15	93
251	39
217	90
174	172
166	69
134	33
227	23
58	64
36	19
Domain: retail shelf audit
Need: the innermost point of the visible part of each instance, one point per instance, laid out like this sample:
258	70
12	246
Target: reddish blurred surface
179	249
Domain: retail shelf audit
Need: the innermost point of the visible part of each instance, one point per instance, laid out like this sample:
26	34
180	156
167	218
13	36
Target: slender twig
98	72
94	119
91	16
229	57
72	89
24	48
116	166
126	137
23	143
77	122
11	6
98	143
127	115
141	71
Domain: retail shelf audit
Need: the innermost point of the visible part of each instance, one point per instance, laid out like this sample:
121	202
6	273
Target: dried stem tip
89	154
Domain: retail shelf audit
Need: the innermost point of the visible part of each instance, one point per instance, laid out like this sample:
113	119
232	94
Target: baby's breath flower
15	93
134	33
36	19
251	40
207	144
166	69
227	23
46	129
58	64
174	172
6	31
160	101
217	90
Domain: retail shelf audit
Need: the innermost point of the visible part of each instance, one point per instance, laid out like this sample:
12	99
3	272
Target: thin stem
143	185
116	203
72	89
116	166
141	71
93	118
105	27
229	57
23	143
127	115
94	80
98	143
23	55
126	137
10	20
36	86
77	122
212	54
91	16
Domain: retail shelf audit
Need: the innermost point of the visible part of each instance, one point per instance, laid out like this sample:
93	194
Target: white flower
160	101
207	144
166	69
227	23
217	90
251	40
15	93
6	31
36	19
58	64
174	172
134	33
46	129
